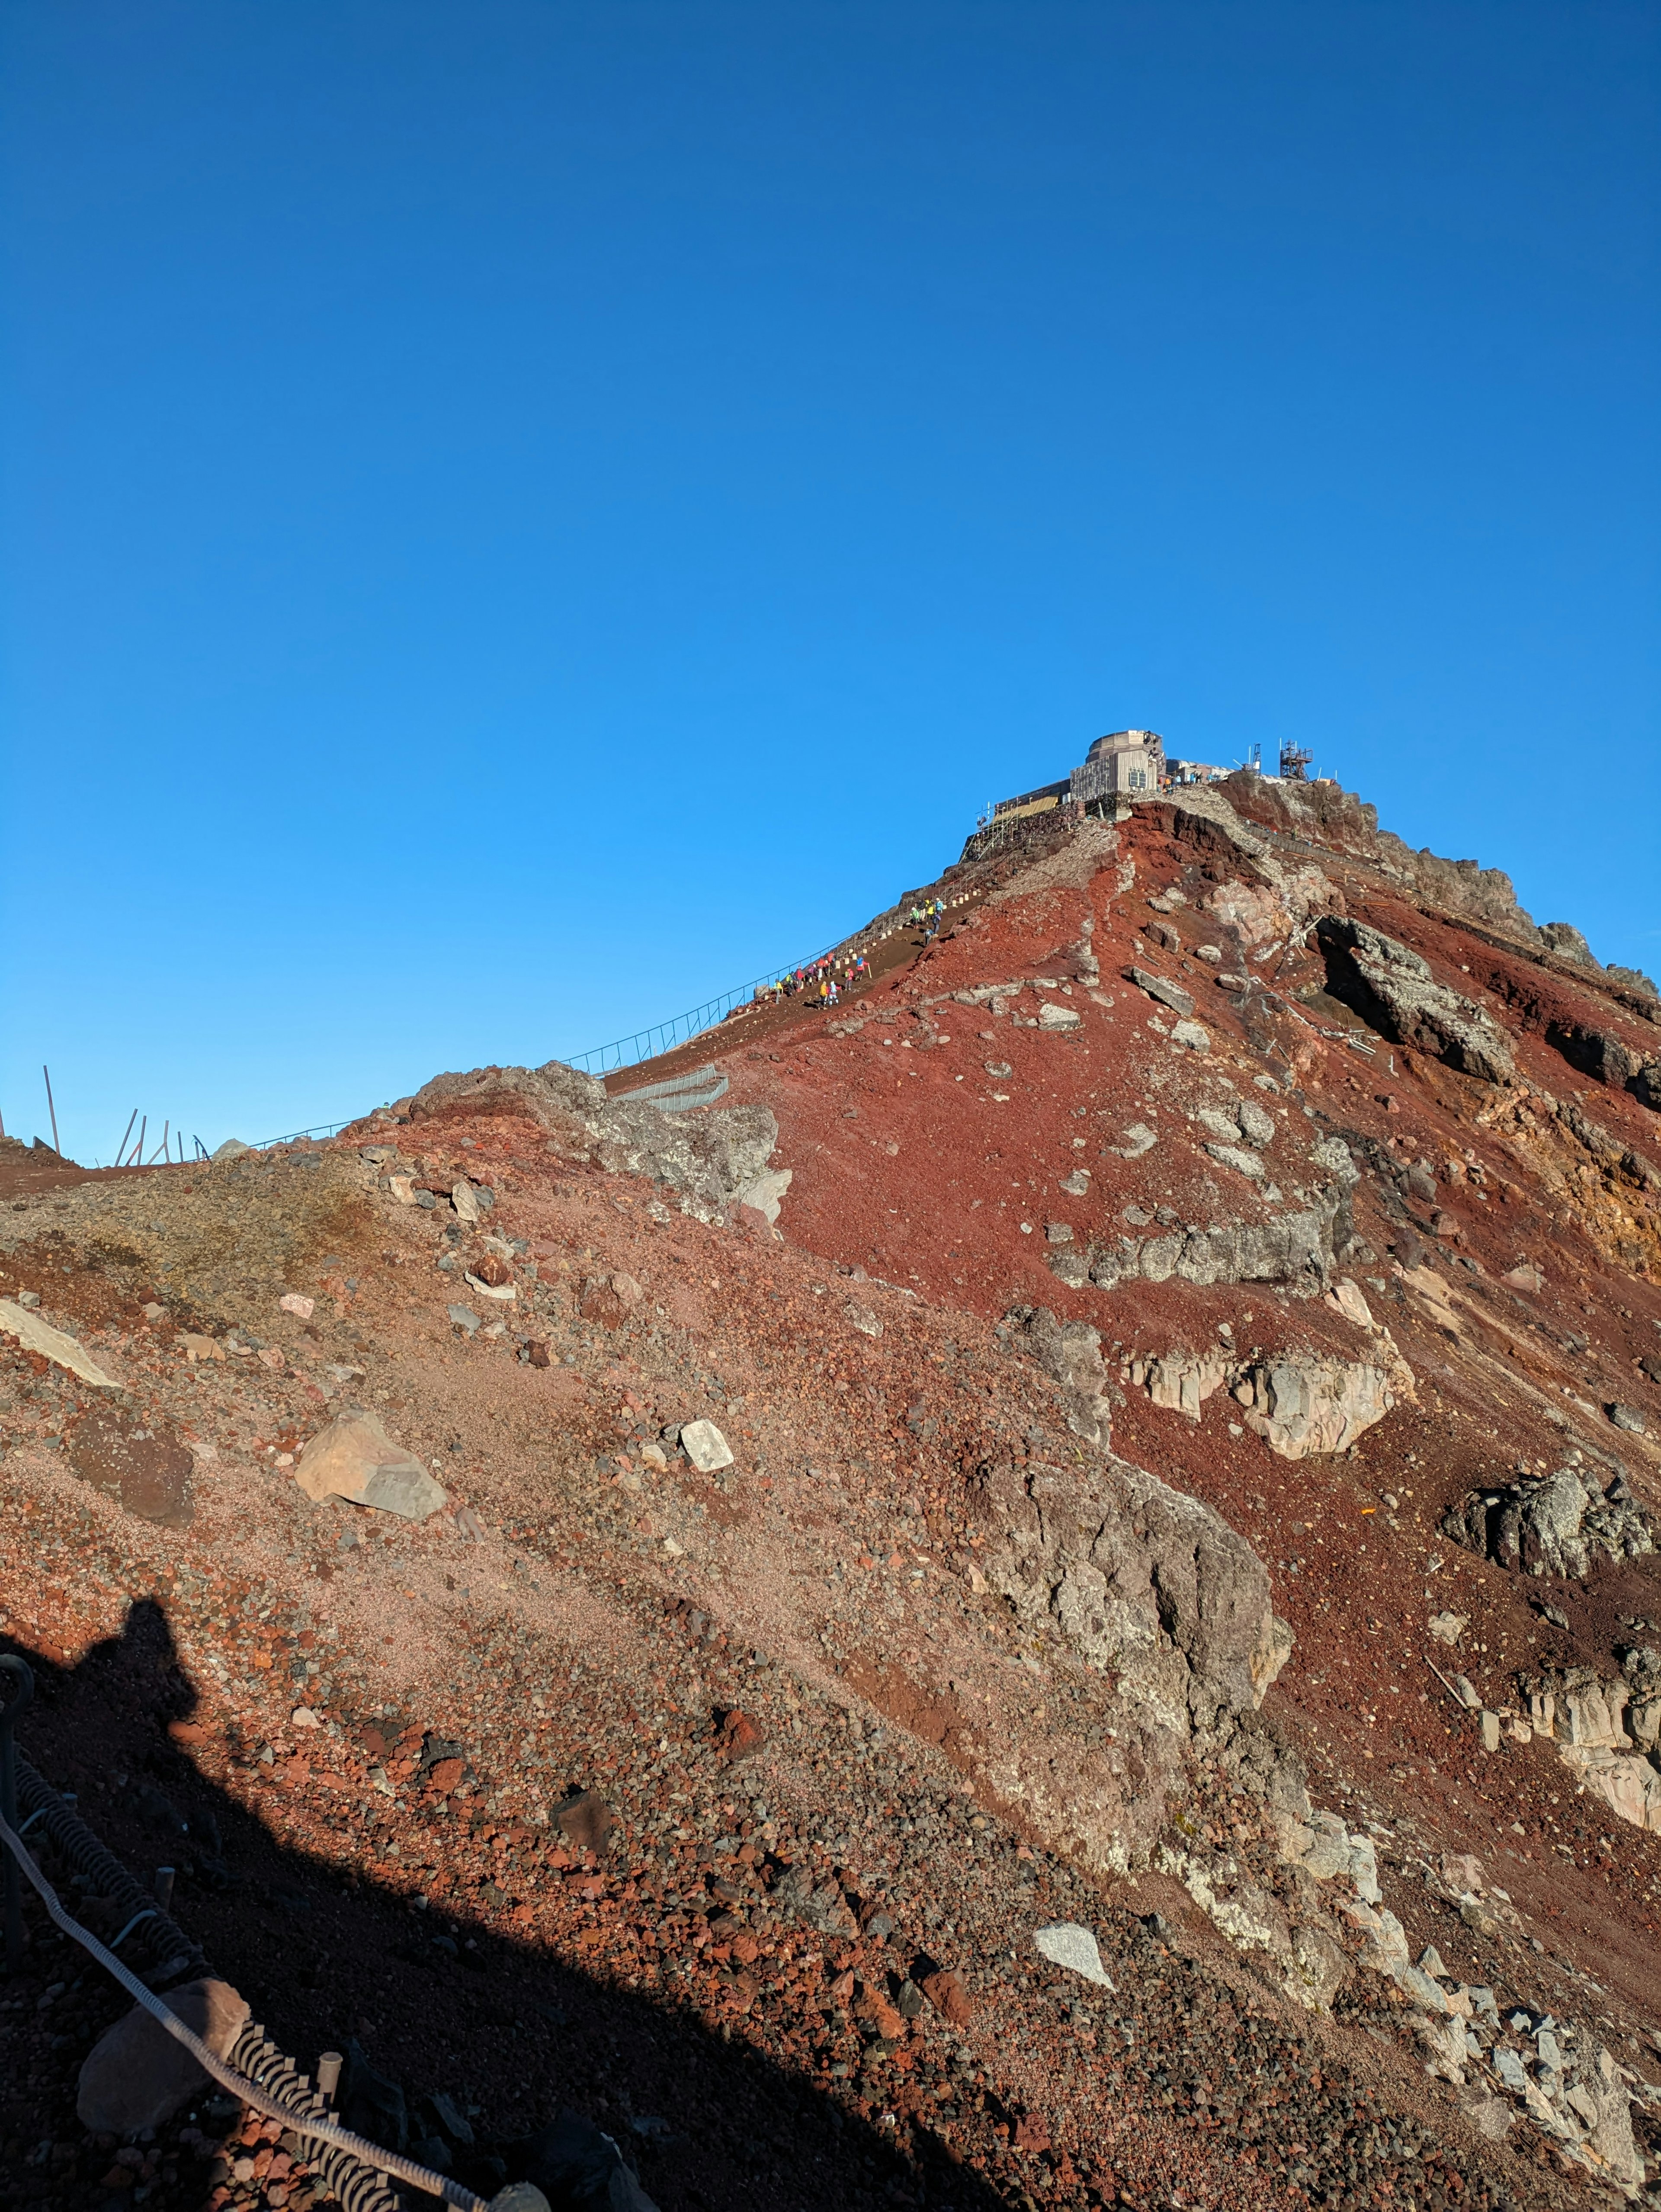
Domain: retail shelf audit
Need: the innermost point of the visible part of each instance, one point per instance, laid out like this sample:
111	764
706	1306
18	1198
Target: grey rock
1076	1185
1137	1579
1396	993
1629	1417
1557	1525
1299	1249
137	2077
1071	1353
1168	995
371	2103
231	1149
999	1070
1053	1017
1257	1122
463	1317
577	2167
1635	981
820	1906
1192	1036
1236	1157
1563	938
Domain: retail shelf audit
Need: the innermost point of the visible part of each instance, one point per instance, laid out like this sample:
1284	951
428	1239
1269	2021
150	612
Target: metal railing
663	1036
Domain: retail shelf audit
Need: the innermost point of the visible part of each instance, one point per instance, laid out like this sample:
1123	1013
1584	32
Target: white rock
37	1335
465	1199
1364	1869
296	1302
1193	1036
1345	1297
302	1716
401	1188
1052	1016
1448	1627
766	1192
864	1321
1066	1944
503	1293
705	1446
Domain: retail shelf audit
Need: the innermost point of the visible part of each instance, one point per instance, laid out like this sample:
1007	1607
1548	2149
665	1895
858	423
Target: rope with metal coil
250	2093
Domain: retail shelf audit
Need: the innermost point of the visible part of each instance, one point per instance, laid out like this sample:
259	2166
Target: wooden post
52	1110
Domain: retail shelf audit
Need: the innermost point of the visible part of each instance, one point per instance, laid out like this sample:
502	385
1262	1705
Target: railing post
14	1706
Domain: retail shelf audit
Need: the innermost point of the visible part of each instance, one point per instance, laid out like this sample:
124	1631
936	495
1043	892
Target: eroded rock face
1299	1249
1306	1402
1071	1353
1394	992
1606	1731
1561	1525
713	1162
1141	1581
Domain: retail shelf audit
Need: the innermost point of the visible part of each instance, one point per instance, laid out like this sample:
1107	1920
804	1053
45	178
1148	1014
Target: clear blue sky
518	516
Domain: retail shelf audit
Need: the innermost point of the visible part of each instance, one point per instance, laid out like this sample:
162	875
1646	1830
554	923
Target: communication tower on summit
1295	759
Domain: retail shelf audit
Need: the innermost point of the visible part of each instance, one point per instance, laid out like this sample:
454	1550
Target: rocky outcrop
1393	992
1304	1402
1140	1580
1605	1731
1563	938
1299	1402
712	1162
1608	1060
1299	1249
1555	1524
1070	1352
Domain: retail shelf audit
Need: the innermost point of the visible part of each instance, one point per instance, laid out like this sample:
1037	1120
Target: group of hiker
823	981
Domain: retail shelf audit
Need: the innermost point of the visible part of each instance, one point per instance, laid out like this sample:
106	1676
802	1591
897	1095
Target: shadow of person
467	2042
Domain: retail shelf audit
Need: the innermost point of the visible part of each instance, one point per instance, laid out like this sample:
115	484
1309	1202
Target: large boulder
136	2075
1140	1580
1394	991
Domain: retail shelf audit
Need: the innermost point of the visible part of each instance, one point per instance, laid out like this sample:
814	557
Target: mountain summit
1038	1585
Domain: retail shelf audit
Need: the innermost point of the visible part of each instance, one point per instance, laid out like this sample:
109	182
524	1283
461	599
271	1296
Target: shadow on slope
499	2025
